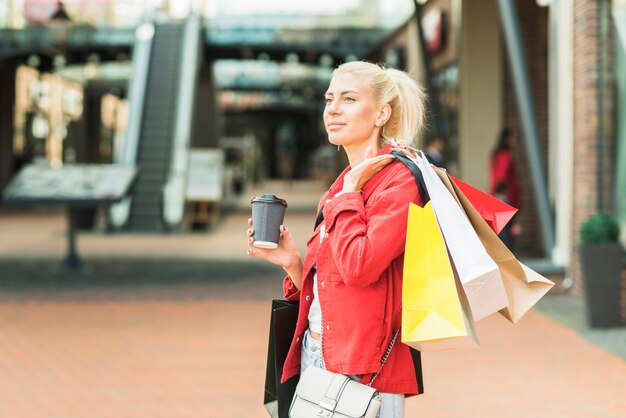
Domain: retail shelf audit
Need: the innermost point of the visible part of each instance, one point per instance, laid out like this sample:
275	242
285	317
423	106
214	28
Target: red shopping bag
494	211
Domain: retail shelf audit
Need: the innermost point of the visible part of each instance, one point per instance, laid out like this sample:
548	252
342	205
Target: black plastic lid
269	198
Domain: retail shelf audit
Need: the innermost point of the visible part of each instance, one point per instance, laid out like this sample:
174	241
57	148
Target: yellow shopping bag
435	313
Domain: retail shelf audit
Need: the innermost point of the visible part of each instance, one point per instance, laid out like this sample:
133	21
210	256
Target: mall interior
209	97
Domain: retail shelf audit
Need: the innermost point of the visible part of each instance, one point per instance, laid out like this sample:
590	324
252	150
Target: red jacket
502	170
358	251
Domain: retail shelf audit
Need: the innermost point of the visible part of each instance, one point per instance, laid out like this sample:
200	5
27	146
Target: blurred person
434	150
503	182
354	258
60	15
286	151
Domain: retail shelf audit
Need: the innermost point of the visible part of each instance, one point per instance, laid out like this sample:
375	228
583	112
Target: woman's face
351	113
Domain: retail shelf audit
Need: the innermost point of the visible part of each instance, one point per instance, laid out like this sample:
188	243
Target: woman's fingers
250	231
386	159
284	233
404	151
255	252
373	166
381	162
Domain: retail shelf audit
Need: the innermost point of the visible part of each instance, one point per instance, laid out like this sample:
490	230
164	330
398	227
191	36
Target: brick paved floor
197	348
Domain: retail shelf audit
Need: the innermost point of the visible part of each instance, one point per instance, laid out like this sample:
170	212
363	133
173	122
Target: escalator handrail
126	153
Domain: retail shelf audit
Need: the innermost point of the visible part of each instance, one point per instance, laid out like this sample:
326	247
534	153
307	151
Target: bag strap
320	218
417	174
384	359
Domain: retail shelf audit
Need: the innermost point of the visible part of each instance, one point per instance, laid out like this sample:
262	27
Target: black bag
278	395
417	366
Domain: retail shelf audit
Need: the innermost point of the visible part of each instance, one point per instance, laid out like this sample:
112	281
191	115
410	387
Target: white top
315	312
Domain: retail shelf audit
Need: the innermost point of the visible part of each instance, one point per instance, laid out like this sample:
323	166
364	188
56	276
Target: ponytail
407	109
404	96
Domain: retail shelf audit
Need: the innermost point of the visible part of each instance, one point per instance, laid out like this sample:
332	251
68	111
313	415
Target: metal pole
508	17
72	260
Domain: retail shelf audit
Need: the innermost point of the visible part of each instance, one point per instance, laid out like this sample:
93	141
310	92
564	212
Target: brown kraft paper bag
524	286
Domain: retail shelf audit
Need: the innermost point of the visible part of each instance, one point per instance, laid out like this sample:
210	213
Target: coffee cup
268	213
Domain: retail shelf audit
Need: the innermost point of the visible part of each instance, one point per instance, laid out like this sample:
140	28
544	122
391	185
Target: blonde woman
349	284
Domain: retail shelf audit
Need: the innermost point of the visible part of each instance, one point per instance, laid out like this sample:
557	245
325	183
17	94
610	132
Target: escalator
155	140
165	72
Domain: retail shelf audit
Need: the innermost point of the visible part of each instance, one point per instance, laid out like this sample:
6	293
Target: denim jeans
392	403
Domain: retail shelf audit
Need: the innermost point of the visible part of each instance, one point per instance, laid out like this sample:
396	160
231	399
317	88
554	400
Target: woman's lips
335	125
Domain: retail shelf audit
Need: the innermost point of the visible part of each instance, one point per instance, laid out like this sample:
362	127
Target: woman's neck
356	153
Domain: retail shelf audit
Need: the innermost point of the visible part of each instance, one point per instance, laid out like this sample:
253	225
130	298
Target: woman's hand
359	175
285	255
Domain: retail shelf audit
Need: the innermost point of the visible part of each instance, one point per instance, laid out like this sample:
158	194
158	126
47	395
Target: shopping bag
435	314
494	211
278	395
524	286
478	273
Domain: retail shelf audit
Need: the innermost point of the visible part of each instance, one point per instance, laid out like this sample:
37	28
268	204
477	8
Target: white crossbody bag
324	394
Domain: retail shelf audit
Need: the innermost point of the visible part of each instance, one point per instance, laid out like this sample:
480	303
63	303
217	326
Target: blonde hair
400	91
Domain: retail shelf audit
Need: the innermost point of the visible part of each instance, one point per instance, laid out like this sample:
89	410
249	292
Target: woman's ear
384	113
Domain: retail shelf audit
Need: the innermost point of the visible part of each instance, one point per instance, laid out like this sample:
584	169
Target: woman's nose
332	107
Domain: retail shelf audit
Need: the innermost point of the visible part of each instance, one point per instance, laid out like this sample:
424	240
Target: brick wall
533	26
590	160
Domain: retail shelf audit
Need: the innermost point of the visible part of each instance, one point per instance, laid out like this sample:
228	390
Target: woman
350	282
503	182
502	169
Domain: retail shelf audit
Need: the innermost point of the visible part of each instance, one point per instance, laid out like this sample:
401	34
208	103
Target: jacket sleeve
290	290
365	239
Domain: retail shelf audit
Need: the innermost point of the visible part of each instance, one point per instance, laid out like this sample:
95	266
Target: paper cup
268	213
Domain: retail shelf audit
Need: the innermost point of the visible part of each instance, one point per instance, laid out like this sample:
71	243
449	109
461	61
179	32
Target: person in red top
350	282
503	182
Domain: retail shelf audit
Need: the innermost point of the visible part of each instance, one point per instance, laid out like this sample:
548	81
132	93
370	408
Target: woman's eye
328	100
349	99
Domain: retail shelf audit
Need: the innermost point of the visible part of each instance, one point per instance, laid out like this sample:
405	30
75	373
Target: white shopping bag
479	274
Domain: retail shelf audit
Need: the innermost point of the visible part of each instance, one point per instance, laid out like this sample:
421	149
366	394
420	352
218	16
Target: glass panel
222	14
280	14
276	21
